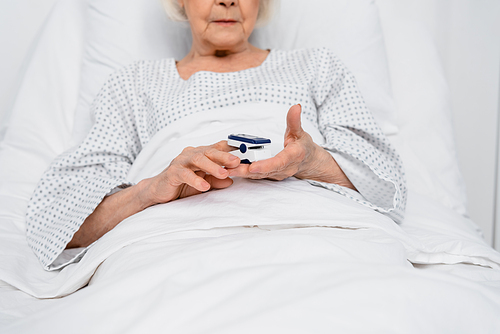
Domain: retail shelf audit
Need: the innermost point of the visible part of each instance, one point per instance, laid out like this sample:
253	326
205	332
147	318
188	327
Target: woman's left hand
301	157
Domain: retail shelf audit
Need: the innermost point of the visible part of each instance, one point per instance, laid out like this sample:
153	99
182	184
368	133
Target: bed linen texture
306	270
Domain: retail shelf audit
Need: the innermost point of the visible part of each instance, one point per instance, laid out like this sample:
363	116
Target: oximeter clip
249	148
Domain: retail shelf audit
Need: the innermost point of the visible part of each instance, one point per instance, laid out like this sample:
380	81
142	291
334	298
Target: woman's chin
226	37
228	43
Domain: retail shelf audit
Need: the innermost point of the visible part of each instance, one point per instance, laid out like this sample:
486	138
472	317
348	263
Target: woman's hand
301	157
195	170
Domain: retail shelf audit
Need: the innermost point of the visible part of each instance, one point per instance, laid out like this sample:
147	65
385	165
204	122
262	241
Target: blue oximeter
254	140
250	148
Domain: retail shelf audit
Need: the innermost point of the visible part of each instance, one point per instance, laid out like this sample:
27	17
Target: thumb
293	124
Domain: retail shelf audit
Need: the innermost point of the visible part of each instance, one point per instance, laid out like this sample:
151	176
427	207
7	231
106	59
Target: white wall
496	228
19	22
474	81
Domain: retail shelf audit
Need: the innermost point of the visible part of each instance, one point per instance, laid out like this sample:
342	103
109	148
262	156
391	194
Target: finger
190	178
262	169
240	171
293	123
222	158
223	146
201	161
216	183
268	166
288	158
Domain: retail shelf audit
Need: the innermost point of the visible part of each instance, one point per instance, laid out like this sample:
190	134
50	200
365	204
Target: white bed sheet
269	278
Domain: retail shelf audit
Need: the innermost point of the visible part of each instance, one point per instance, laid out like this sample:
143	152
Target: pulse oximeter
249	148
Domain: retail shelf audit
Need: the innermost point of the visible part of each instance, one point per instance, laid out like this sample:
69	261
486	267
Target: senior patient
85	192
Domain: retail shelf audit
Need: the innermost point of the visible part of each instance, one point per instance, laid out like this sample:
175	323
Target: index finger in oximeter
250	148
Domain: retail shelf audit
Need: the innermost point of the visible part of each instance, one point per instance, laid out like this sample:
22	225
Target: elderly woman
85	193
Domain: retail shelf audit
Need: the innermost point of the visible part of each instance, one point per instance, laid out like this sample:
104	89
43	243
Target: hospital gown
139	100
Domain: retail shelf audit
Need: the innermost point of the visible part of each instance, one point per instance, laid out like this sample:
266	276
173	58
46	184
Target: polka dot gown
139	100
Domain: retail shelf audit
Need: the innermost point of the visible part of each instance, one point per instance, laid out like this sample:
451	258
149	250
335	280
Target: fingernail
233	157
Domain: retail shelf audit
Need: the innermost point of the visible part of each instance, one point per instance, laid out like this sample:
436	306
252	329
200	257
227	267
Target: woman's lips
225	23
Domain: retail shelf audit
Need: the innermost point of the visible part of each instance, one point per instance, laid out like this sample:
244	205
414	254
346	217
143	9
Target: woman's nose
226	3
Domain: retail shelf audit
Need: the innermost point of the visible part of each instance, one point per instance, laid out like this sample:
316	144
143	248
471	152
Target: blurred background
467	36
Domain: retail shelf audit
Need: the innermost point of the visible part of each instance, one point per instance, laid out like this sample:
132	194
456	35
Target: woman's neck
219	60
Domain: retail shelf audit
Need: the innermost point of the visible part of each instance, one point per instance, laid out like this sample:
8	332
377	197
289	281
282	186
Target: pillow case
41	121
123	31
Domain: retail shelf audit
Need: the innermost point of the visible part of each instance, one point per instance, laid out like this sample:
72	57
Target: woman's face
221	24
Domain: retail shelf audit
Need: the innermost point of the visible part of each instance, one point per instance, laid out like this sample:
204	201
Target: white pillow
425	140
39	127
123	31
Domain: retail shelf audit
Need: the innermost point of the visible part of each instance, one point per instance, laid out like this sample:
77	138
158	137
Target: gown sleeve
356	142
78	180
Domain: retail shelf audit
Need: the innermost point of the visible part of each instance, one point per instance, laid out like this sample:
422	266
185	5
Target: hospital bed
212	263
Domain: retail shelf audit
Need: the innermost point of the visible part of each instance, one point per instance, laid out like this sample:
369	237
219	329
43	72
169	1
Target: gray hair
266	11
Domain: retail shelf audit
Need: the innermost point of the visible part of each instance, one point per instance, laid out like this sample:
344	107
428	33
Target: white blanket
260	256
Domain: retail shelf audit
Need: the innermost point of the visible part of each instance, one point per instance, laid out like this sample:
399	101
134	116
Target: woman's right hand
195	170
